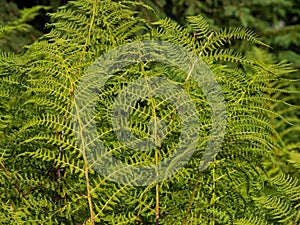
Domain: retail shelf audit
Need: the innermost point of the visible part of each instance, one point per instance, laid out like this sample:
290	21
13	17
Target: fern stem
296	219
91	25
86	171
212	201
192	198
86	168
157	205
206	43
156	153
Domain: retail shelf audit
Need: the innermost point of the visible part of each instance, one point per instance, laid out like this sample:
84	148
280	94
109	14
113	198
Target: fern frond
199	25
223	36
251	221
227	55
170	31
57	163
278	208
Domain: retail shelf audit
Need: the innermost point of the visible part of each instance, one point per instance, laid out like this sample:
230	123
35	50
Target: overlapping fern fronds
58	183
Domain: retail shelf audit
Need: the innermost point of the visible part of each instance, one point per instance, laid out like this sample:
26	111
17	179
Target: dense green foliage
276	21
15	32
45	175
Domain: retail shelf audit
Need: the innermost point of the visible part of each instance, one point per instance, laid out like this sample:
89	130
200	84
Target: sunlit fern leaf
199	25
251	221
294	157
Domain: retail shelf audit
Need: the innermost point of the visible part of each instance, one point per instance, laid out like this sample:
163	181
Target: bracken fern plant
50	176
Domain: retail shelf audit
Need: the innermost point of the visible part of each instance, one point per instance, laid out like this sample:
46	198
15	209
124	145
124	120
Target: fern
58	176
